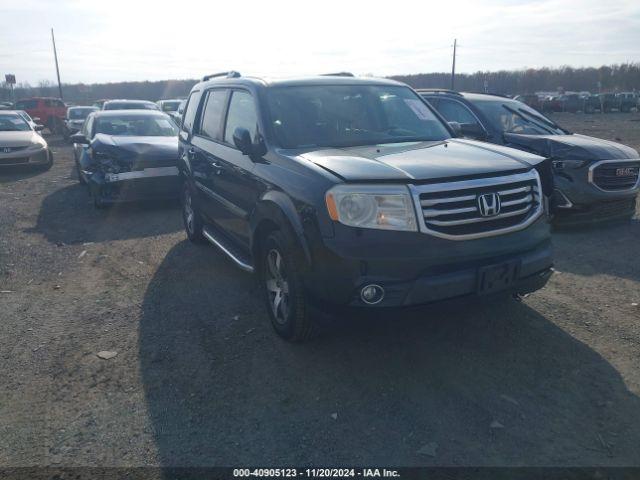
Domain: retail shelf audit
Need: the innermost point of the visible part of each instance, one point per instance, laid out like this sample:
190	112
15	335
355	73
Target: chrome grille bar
520	207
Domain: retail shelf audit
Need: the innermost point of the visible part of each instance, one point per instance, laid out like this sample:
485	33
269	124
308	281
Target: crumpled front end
120	174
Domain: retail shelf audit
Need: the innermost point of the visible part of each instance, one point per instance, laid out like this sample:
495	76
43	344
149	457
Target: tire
49	164
81	179
51	125
190	215
282	288
98	203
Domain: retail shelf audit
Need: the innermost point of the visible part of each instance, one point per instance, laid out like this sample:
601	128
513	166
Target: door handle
217	168
191	152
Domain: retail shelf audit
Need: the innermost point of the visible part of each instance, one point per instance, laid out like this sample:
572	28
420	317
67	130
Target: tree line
610	78
622	77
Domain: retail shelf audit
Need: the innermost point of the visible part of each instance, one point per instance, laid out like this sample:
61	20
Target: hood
141	152
574	147
421	160
19	139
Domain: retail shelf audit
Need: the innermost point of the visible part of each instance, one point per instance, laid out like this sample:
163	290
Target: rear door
207	135
235	186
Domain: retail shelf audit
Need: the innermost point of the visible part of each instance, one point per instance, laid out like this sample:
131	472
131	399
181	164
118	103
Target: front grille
615	176
12	149
13	161
452	209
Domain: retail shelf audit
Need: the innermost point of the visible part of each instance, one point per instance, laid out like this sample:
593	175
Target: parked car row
582	102
346	193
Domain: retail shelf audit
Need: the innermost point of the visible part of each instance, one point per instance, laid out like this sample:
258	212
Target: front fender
277	207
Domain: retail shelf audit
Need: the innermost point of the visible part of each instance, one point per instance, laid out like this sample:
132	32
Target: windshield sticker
419	108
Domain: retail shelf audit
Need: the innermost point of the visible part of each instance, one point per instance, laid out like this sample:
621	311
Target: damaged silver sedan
127	155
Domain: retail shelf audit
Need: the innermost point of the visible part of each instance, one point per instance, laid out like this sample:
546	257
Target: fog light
372	294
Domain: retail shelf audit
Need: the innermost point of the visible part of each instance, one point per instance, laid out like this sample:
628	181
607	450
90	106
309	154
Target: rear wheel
190	215
283	289
81	179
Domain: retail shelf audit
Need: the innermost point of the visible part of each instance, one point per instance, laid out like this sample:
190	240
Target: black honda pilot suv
350	192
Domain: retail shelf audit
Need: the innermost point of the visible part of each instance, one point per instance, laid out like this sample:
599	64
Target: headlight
37	145
568	164
385	207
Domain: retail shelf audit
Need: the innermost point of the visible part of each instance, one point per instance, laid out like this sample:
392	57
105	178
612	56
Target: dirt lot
200	379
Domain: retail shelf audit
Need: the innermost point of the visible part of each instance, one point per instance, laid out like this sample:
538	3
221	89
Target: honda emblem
489	204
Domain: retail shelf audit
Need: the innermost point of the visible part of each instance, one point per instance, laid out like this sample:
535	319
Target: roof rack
437	90
493	94
229	74
337	74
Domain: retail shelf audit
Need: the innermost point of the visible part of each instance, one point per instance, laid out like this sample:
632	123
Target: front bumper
150	183
423	269
580	202
25	157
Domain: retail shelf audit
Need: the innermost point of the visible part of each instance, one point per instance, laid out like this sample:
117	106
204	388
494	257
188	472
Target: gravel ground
200	379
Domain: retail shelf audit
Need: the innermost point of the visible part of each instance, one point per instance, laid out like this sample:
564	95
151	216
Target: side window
212	114
26	104
86	128
454	111
190	111
242	113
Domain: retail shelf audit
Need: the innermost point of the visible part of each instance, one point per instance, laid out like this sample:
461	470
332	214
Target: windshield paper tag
419	108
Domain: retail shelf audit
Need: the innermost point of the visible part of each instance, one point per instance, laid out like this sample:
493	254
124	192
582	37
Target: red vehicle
51	111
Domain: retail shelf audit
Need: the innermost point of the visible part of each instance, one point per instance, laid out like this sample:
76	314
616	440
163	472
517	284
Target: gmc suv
595	180
348	192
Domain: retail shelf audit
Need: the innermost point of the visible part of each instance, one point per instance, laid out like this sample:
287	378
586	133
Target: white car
21	142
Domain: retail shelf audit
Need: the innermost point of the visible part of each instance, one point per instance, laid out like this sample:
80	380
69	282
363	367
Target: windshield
350	115
13	123
170	105
136	125
25	115
130	106
79	113
516	117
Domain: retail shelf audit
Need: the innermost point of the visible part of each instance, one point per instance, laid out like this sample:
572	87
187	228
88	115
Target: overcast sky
114	40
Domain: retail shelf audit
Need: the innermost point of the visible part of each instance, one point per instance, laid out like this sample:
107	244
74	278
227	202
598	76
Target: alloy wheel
189	215
277	286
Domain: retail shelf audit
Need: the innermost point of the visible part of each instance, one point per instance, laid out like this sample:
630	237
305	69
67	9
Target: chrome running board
243	263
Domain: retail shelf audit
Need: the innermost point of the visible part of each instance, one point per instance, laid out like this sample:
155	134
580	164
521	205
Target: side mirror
79	138
38	127
473	130
457	130
242	140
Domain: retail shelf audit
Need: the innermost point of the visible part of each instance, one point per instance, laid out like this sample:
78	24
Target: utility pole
453	66
55	55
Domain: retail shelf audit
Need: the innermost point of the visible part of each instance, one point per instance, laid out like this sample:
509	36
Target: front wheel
283	289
